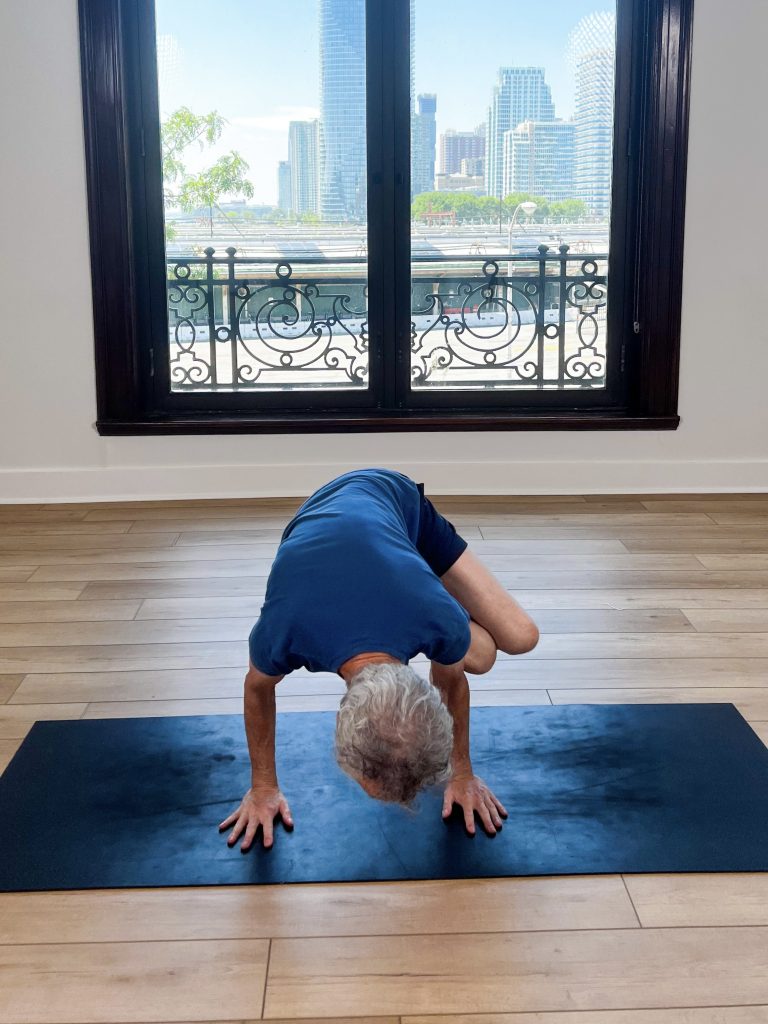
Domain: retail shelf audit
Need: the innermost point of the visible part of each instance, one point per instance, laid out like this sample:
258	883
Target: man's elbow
525	639
257	681
481	656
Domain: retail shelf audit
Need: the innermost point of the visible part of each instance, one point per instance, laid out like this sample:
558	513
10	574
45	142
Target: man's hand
473	796
259	807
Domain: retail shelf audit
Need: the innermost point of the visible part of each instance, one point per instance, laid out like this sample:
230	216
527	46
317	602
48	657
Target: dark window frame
133	397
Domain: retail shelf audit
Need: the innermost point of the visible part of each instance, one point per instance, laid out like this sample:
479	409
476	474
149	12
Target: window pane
263	135
511	151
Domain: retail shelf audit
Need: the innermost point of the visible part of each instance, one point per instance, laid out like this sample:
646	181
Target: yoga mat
589	789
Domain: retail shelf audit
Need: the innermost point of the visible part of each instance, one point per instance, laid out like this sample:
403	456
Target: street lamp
528	209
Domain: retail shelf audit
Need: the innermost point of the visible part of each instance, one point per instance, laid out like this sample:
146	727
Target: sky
256	62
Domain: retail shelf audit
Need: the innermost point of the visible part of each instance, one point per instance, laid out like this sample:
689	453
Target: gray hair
393	727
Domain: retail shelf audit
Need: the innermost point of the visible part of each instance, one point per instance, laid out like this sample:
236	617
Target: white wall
49	449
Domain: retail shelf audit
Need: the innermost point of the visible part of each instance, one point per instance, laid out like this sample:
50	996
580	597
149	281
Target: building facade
593	54
423	144
473	184
284	199
457	146
474	166
538	158
342	140
303	140
520	94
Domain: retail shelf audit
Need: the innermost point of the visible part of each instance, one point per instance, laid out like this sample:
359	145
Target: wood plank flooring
122	610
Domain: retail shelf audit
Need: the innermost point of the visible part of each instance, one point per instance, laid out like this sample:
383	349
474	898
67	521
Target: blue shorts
438	543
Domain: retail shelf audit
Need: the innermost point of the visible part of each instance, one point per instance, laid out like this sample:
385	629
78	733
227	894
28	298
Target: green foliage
469	208
179	131
226	177
568	210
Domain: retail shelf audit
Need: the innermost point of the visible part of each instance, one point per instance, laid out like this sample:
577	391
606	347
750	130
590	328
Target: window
368	216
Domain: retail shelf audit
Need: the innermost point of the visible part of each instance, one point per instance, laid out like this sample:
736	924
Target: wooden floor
143	609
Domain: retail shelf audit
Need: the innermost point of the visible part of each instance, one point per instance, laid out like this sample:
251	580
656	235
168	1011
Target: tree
226	177
569	210
488	209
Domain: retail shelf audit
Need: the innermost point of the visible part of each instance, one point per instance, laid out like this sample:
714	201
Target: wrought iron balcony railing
533	320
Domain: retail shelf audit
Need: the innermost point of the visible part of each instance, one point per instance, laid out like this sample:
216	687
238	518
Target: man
368	574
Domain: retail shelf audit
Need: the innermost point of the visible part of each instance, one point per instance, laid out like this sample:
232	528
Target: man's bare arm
260	716
263	802
464	788
451	681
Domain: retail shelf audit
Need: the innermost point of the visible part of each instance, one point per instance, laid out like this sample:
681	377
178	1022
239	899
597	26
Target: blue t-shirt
348	579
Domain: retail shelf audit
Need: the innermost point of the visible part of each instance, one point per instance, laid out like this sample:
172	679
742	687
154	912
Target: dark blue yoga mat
589	789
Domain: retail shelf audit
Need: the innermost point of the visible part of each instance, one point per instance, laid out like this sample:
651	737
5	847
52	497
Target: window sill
216	423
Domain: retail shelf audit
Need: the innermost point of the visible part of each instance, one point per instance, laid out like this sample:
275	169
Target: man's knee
477	663
523	639
481	656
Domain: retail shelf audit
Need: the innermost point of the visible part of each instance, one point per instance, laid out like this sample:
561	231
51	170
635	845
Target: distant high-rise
423	139
284	201
342	134
520	94
457	146
593	50
302	157
342	105
539	159
473	165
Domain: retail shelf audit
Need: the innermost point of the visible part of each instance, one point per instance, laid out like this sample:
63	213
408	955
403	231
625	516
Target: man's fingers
469	820
499	805
268	826
250	832
228	821
285	814
447	805
485	817
495	816
237	830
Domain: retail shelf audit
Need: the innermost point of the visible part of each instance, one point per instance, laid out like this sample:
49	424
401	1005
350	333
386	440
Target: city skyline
519	94
272	118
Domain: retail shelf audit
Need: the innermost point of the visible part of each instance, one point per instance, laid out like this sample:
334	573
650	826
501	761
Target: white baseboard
126	483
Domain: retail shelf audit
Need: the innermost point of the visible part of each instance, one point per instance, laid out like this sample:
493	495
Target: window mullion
402	101
380	189
388	118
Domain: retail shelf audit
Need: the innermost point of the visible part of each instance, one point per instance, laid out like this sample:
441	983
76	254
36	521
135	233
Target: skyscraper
539	159
302	157
520	94
457	146
284	201
342	104
423	139
342	134
592	51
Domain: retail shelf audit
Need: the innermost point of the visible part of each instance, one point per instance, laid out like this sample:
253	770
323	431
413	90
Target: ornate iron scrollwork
540	324
534	320
248	325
